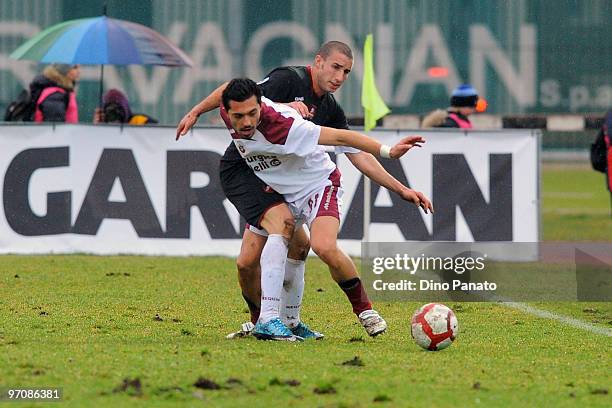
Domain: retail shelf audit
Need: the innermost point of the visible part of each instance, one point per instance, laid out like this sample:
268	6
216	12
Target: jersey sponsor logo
299	99
262	162
260	157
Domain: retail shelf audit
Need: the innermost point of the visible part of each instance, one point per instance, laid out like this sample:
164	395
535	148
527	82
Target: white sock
273	259
293	290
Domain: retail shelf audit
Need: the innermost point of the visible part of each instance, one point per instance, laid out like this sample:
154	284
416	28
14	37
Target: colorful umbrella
101	40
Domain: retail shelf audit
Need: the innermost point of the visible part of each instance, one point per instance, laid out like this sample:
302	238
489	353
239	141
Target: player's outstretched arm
368	165
343	137
417	198
207	104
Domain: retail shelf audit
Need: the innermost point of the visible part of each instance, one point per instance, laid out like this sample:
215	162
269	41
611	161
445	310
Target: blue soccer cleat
274	330
303	331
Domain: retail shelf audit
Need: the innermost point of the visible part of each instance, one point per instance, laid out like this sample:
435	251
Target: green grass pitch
87	324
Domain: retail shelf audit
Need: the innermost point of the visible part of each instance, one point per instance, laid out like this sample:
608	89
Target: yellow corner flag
373	105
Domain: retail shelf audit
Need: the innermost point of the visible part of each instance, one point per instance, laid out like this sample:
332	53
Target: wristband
385	151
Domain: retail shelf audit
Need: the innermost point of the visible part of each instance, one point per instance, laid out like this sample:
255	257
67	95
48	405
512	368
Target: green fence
525	56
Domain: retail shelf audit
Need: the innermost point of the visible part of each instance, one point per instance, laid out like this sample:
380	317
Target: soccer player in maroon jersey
309	90
283	151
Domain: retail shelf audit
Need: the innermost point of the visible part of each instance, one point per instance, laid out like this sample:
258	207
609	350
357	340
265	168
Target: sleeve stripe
274	126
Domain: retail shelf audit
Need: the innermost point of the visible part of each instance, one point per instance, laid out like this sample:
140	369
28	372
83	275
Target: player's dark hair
239	90
331	46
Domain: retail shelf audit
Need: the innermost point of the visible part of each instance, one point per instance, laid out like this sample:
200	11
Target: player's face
244	116
332	71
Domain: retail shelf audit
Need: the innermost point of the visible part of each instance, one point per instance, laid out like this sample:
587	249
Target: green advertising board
523	56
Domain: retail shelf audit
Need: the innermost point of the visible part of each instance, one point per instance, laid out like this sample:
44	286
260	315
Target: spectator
54	93
601	152
462	104
116	109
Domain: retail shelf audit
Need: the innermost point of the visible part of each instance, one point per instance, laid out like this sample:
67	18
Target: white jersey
284	151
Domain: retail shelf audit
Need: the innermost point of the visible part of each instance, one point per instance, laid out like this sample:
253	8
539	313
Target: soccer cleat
245	330
372	322
303	331
274	329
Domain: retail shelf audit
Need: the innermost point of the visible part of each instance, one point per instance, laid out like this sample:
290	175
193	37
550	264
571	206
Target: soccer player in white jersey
309	90
283	150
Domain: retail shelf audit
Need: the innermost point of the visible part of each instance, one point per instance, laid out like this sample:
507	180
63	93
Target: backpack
21	109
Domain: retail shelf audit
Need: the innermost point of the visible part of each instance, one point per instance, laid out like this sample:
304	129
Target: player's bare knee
246	267
299	245
299	251
288	228
279	220
326	251
303	251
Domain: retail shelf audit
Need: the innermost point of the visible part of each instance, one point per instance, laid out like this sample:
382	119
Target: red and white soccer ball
434	326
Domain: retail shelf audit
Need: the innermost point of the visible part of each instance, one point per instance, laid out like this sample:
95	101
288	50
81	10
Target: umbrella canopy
101	40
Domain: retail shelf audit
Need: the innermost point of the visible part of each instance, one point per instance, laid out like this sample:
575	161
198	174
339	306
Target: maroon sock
356	295
253	309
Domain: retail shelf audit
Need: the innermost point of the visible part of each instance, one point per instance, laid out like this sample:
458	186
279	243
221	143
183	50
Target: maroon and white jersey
284	151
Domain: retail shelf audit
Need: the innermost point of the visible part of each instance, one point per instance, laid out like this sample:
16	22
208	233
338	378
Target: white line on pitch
570	321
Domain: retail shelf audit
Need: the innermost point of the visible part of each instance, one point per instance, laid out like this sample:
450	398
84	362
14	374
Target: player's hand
302	109
185	124
404	145
418	199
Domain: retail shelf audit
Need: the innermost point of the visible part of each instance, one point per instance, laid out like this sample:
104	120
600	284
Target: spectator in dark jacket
601	152
54	93
116	109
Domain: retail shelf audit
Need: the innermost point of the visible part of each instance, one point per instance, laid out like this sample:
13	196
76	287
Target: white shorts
327	201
